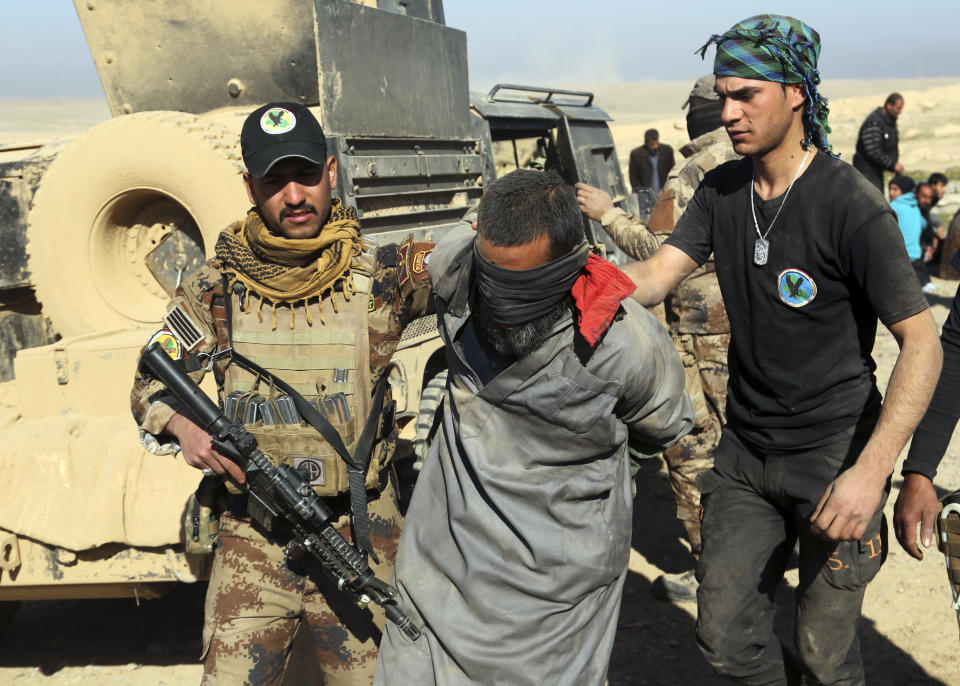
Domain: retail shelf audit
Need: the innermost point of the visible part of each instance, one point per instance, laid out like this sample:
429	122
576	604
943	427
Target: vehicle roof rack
550	92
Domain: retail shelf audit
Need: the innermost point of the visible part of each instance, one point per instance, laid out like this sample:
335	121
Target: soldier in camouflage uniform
694	314
296	289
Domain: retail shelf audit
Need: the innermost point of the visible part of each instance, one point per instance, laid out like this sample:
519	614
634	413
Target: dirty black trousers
756	506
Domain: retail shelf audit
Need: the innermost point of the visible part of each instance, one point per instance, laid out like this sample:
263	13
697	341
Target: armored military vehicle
97	233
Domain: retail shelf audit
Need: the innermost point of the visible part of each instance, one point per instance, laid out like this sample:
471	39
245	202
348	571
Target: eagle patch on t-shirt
795	287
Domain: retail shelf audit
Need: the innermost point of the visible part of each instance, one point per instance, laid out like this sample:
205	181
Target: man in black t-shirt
808	256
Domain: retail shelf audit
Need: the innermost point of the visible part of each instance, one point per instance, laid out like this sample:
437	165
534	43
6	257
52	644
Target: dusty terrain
909	632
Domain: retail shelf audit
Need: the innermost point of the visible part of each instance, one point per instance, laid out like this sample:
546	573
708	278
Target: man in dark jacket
650	163
877	142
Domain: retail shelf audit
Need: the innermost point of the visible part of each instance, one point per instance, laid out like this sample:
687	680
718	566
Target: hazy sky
557	42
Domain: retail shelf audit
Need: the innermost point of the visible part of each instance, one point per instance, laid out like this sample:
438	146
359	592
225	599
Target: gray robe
515	547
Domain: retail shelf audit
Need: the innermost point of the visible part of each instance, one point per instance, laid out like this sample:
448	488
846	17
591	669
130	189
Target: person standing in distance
808	256
878	144
650	163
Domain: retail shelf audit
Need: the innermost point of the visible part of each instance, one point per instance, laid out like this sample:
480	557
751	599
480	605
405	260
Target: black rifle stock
282	492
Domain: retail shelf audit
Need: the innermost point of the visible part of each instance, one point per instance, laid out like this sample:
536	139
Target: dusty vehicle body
118	214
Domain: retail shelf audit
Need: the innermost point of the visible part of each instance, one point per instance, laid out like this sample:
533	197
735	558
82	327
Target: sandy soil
909	632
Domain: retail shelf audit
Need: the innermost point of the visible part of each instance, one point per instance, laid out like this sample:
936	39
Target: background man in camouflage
296	289
694	311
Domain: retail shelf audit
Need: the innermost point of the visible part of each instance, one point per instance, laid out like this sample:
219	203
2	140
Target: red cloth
597	293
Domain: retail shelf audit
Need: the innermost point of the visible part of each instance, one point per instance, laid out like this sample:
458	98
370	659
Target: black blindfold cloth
517	296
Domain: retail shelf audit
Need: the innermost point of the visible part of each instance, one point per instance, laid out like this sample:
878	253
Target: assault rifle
282	492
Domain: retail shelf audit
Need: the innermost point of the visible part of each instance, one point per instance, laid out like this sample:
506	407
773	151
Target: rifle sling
359	463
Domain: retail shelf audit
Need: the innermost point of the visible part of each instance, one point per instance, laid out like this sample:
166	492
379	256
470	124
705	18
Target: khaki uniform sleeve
629	233
150	402
412	279
400	293
685	185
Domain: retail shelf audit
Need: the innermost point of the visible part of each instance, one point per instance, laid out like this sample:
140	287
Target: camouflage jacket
400	292
695	306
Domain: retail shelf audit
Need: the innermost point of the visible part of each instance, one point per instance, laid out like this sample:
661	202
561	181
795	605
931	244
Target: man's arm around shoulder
659	275
413	279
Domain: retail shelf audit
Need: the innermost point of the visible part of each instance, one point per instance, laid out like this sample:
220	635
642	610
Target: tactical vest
327	362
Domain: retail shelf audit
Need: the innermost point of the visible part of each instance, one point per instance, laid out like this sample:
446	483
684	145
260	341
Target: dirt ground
909	631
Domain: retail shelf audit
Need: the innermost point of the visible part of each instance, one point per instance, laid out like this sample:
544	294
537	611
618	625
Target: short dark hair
651	135
937	177
922	184
526	204
892	99
903	182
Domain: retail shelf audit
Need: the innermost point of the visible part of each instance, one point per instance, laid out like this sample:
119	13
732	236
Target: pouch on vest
301	447
319	362
201	520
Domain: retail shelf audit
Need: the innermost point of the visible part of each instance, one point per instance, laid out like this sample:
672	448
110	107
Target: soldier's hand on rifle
916	504
593	202
196	449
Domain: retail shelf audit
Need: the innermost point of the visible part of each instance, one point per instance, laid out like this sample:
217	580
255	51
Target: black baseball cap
280	130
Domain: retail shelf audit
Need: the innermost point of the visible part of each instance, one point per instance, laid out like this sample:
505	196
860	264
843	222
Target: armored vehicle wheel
124	211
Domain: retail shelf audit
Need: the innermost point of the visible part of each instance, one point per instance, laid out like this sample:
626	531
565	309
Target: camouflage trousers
256	602
704	359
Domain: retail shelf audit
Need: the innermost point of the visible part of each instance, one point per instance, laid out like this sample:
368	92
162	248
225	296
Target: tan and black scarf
288	271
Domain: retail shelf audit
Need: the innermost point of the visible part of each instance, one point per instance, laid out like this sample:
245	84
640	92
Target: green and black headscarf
773	47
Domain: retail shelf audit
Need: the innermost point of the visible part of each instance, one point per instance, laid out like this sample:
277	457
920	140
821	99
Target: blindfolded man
516	542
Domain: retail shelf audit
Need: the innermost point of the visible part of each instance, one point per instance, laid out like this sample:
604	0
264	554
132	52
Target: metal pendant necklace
761	249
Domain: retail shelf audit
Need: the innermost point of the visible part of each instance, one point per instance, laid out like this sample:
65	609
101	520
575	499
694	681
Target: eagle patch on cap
277	120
